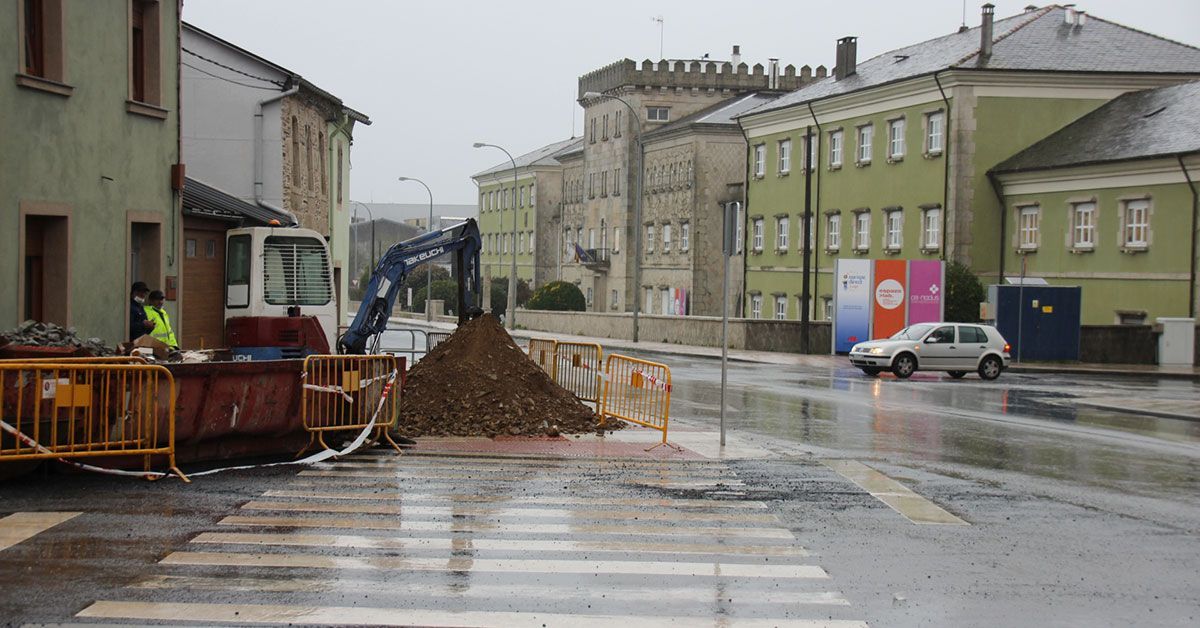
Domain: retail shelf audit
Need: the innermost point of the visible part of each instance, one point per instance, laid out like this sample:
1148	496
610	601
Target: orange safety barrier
637	391
577	368
80	408
541	351
116	359
347	392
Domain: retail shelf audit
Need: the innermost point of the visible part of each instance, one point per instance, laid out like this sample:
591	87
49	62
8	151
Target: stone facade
305	160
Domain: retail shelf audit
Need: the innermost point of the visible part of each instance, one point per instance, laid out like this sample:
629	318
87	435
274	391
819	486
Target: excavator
461	241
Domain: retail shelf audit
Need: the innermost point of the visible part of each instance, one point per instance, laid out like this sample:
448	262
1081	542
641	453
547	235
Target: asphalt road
1077	516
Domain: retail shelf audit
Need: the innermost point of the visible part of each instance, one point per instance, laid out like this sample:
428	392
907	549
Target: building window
666	233
295	152
781	234
835	149
592	134
189	248
780	308
833	235
616	300
1083	226
1028	223
143	51
756	306
589	296
865	135
616	240
605	136
321	159
896	139
1137	224
506	236
931	229
738	235
532	196
810	155
685	236
758	235
648	302
591	185
760	159
827	307
812	233
308	161
42	52
617	124
521	196
591	239
934	131
862	231
785	156
895	225
658	114
604	183
649	238
531	240
616	182
339	177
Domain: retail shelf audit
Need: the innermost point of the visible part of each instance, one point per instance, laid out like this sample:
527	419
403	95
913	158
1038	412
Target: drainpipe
946	143
816	159
259	149
1195	220
999	191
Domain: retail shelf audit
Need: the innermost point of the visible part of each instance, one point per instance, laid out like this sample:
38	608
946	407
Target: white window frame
835	148
649	238
1135	232
616	240
894	226
780	308
760	159
1028	227
532	196
756	306
782	229
685	236
862	231
931	229
649	302
866	145
935	132
1083	226
785	156
896	144
658	114
833	232
757	235
740	233
666	237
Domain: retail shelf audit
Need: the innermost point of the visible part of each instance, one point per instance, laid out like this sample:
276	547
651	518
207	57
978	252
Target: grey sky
437	76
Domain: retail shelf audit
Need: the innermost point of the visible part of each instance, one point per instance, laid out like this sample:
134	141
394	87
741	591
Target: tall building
903	144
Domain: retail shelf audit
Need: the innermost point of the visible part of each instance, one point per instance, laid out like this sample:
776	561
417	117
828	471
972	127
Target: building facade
620	101
90	167
902	145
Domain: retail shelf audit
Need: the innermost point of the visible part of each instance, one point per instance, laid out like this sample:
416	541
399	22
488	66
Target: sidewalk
828	361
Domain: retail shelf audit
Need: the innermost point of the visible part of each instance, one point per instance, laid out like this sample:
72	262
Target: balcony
594	259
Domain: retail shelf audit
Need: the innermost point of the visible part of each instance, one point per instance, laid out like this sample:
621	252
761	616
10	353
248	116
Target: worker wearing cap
139	325
162	331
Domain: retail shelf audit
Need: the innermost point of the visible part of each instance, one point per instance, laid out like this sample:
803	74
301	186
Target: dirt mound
479	383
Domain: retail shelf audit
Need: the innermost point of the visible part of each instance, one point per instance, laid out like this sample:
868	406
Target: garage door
203	283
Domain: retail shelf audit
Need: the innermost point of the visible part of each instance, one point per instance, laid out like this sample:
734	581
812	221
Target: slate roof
1039	40
1138	125
543	156
201	199
724	113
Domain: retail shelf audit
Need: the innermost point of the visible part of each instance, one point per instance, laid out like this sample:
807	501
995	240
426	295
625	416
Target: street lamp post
363	205
429	264
637	208
512	278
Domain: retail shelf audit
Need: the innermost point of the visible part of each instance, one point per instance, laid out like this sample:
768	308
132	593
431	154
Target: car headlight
876	350
855	349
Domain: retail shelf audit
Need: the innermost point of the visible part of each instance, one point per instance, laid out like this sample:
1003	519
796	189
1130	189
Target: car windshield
912	333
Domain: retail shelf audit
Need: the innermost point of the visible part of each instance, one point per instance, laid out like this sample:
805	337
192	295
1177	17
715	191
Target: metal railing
595	258
71	408
350	392
412	350
637	391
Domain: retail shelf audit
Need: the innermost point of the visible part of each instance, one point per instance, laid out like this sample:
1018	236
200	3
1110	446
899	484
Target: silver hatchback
956	348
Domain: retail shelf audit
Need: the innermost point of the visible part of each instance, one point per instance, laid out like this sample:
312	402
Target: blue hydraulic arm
460	240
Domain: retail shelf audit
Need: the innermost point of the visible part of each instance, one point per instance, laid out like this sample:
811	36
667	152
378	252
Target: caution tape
317	457
654	381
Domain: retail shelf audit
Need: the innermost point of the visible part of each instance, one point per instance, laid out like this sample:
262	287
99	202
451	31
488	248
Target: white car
952	347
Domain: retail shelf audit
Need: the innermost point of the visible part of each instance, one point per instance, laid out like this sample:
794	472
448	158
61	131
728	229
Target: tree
561	296
964	293
445	289
499	293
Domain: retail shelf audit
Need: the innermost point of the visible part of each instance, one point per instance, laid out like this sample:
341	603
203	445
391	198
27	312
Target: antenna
659	19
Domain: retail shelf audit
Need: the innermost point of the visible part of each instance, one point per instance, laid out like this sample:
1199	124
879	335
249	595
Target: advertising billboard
926	290
889	298
851	303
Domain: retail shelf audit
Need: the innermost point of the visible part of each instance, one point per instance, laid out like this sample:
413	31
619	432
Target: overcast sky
436	76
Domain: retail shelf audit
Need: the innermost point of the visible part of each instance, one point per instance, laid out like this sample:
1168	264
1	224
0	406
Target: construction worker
162	331
139	325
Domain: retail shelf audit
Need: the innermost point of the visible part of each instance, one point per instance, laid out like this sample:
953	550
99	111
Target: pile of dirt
35	334
478	382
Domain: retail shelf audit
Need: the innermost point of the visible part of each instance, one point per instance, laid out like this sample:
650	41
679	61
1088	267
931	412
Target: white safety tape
337	390
317	457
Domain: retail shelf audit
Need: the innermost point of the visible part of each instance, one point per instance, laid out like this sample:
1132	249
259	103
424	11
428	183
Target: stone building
620	101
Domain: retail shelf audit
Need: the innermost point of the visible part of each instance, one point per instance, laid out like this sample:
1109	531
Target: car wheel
990	367
904	365
957	374
870	371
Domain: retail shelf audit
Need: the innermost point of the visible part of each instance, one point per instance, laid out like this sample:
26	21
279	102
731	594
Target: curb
1079	370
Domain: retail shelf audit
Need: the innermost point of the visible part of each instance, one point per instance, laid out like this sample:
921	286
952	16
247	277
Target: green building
902	144
1109	203
534	200
89	183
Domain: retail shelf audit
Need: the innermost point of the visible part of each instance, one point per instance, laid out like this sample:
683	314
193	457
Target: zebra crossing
380	540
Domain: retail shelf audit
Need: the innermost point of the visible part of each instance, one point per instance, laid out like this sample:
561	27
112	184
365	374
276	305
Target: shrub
560	296
964	293
499	291
446	290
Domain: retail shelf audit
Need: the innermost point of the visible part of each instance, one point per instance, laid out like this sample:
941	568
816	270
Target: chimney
736	57
985	32
1080	18
1069	14
773	73
1030	8
847	57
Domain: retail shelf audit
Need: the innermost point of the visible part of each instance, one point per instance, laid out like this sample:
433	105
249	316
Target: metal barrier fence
67	408
411	350
637	391
344	392
542	351
577	368
436	338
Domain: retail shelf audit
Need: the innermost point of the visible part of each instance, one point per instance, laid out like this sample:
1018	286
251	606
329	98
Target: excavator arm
461	241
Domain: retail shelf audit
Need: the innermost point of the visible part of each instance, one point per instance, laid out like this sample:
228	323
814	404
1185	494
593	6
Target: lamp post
637	207
363	205
512	278
429	264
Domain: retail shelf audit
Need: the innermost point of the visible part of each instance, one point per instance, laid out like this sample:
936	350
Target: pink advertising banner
925	291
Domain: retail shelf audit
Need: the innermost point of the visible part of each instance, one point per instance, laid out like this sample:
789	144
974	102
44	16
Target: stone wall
305	171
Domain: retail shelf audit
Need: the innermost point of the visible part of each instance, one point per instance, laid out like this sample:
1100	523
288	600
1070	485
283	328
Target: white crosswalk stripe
387	541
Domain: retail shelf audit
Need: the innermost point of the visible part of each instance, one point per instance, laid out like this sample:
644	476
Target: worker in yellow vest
162	331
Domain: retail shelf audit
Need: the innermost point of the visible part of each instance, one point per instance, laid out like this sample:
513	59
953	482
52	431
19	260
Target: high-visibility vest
162	331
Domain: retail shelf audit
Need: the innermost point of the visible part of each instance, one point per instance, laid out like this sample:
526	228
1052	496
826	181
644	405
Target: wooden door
202	320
